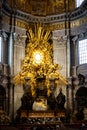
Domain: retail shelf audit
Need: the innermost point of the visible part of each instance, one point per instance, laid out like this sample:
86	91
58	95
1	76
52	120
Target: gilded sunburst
38	60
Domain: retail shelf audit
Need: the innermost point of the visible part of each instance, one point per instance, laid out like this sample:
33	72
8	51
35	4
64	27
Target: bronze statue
41	89
60	100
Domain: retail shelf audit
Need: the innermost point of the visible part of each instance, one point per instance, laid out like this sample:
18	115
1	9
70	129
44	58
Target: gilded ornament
38	61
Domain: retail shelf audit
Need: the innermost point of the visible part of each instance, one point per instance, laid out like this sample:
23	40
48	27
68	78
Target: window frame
78	3
85	39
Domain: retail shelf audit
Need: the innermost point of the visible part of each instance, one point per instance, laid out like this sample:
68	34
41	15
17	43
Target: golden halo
38	57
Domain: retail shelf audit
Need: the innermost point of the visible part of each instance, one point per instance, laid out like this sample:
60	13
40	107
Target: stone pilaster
1	1
4	52
74	77
11	53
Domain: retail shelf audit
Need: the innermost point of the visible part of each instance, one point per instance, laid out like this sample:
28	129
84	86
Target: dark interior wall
2	97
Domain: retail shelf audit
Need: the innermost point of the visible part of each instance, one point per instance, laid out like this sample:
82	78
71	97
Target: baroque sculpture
38	66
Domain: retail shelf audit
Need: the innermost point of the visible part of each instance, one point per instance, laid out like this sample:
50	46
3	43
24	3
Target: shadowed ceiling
43	7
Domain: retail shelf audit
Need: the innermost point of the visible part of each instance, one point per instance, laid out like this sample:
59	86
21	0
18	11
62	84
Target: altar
42	117
43	114
40	104
40	77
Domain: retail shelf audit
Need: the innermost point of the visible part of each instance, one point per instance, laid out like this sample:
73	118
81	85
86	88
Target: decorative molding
54	26
54	22
19	40
60	39
77	13
42	8
4	35
79	22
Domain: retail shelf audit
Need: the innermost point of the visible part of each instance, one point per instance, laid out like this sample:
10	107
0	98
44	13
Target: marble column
1	1
68	59
74	75
11	53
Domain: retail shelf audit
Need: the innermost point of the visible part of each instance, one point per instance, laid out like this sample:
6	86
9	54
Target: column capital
4	35
74	39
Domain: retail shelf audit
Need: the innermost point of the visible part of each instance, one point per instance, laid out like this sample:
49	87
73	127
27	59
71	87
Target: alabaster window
79	2
82	51
0	48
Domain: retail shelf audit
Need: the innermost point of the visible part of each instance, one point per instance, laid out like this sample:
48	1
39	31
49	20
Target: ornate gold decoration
38	7
42	7
38	57
40	48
